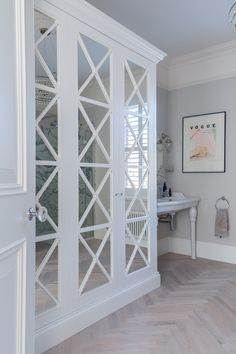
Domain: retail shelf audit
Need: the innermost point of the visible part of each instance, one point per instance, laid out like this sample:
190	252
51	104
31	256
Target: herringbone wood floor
194	312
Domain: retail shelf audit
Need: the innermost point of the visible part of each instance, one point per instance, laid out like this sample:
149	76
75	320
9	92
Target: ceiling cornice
214	63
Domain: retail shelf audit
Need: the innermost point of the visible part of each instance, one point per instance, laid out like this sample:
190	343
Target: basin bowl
177	202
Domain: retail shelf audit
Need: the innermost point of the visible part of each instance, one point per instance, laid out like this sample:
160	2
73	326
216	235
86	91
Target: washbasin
176	197
169	199
176	202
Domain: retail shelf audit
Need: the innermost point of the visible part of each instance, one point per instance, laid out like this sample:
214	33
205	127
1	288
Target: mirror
94	151
47	150
136	139
164	145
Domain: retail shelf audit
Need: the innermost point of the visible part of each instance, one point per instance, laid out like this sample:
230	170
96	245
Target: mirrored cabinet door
95	171
136	165
47	161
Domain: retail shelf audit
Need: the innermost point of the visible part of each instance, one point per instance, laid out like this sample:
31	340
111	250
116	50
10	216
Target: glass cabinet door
94	151
136	147
47	161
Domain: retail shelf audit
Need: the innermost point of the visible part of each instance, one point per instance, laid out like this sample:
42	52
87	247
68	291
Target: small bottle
164	189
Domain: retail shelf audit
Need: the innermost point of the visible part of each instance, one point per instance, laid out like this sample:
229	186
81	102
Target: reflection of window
136	159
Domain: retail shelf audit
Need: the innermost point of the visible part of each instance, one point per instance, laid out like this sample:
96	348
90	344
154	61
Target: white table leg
193	219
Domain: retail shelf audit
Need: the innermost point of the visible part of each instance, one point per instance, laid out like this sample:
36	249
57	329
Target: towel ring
222	199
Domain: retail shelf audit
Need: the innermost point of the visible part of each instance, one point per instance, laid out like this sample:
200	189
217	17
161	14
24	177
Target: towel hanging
222	225
224	200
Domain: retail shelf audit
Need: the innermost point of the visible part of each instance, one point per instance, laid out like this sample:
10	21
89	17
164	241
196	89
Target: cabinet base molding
63	328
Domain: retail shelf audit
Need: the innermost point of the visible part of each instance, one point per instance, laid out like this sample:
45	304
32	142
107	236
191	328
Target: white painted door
16	178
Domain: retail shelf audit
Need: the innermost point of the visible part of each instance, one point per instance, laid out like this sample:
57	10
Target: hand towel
222	223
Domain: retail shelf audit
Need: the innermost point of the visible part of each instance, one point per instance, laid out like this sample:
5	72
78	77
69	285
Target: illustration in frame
203	143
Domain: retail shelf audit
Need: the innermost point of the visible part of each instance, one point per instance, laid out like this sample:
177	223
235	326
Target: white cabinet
95	158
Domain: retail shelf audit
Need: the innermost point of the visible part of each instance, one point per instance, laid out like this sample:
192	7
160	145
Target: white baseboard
179	246
163	246
64	328
212	251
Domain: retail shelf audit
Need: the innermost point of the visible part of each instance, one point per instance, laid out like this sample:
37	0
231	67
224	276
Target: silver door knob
41	214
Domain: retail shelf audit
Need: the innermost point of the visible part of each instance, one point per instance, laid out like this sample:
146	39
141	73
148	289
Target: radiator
136	226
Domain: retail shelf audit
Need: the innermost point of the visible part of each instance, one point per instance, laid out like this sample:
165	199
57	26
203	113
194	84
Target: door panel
12	297
12	159
16	177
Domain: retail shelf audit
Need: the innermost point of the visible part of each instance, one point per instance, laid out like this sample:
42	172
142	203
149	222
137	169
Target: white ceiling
177	27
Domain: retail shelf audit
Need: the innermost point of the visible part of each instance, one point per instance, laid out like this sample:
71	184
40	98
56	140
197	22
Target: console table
179	202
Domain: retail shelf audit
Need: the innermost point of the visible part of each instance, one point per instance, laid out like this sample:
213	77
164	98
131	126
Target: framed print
203	143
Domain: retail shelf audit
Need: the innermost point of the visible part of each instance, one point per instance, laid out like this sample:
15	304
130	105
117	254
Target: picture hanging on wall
203	143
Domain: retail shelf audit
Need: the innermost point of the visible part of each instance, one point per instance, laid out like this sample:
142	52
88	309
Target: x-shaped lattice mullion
90	77
136	195
142	153
46	110
97	254
45	88
95	133
40	193
135	84
46	68
94	69
136	139
95	194
143	255
99	80
46	142
46	184
95	260
46	258
142	103
138	241
49	219
46	291
137	246
134	200
45	35
136	87
139	198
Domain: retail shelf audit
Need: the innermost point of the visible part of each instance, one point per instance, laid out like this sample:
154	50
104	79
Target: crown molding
214	63
91	16
207	53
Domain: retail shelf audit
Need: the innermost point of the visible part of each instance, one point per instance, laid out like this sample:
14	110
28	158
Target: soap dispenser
164	189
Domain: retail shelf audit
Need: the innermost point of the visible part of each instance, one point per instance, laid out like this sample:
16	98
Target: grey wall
210	97
162	126
162	110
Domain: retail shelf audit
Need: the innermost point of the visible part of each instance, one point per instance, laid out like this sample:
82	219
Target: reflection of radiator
136	227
